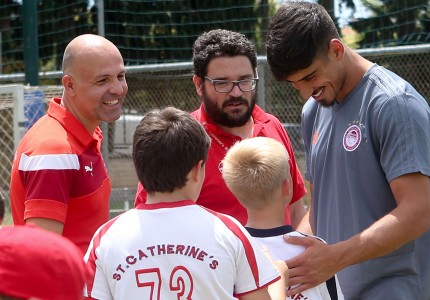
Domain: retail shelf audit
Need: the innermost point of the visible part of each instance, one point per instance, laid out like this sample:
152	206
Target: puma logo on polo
89	168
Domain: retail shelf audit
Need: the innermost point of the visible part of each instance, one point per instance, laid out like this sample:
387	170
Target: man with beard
367	146
225	77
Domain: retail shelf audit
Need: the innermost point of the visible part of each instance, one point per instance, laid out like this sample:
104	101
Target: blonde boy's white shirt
279	249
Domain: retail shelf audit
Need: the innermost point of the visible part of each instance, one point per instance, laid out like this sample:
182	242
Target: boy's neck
267	218
177	195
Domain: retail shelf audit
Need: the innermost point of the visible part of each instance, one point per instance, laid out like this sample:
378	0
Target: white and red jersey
176	250
273	239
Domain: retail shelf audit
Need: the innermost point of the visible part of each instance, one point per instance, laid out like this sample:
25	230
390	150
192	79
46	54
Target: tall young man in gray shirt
367	139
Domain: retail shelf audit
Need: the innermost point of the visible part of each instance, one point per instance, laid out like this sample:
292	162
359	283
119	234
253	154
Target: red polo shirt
59	173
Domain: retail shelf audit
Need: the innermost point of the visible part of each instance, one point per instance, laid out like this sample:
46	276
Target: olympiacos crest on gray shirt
352	138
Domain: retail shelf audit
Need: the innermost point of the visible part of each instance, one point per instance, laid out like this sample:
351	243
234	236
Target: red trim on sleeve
42	208
249	250
92	257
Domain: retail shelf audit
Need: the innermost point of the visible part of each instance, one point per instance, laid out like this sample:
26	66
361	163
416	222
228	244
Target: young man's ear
198	82
337	48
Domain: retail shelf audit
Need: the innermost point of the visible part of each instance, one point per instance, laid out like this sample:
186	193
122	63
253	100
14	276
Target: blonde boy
256	171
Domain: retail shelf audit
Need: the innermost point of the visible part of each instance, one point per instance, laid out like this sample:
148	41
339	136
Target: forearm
304	225
299	217
406	222
304	222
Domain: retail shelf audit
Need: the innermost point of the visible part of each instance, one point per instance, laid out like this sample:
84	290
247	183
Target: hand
278	289
315	265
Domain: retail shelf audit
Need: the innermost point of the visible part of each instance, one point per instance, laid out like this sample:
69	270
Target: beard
232	119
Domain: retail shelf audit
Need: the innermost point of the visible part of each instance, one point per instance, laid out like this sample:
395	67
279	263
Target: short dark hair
221	43
298	33
167	144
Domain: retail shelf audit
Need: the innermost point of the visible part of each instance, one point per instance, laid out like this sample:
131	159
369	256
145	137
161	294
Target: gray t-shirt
380	131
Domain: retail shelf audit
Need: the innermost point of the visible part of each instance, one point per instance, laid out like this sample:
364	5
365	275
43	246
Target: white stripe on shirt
49	162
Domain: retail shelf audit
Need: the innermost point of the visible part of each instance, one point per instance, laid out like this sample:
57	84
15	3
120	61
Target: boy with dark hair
169	246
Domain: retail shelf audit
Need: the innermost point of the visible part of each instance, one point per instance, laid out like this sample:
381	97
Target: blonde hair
253	169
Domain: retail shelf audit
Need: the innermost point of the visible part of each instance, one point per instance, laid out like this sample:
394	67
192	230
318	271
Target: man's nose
236	91
118	87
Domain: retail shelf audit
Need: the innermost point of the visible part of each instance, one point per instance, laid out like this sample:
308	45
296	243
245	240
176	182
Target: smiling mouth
111	102
318	92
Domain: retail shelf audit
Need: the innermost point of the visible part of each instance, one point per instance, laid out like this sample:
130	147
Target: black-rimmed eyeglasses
226	86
